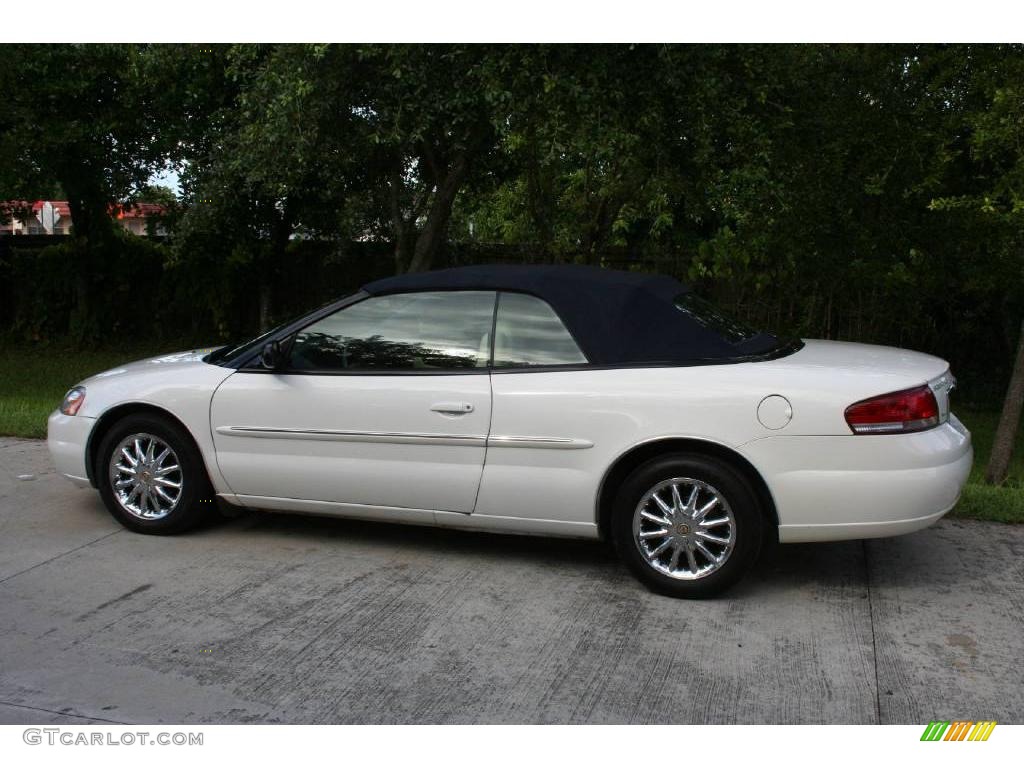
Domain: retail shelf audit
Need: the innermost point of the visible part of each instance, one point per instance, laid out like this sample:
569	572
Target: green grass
1004	504
33	381
986	502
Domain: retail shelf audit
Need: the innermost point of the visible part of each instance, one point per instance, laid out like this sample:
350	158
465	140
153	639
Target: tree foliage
866	192
94	122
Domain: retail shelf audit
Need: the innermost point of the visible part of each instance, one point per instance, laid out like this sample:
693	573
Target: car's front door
384	403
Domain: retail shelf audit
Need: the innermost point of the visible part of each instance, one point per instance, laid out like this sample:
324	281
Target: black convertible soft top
617	318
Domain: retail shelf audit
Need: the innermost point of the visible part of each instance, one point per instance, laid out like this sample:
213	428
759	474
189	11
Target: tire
660	555
150	511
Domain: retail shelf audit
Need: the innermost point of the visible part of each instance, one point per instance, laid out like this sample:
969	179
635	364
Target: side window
444	330
528	332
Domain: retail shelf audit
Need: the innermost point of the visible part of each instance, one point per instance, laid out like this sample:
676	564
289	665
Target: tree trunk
431	237
91	228
80	242
598	231
400	226
1006	433
264	305
537	198
280	234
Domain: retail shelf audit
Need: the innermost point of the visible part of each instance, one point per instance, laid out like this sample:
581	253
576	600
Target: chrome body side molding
515	441
418	438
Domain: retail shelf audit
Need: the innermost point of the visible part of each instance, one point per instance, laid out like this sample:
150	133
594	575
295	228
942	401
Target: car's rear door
544	421
384	403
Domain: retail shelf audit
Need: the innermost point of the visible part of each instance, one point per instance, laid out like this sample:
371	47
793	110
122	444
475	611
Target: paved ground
274	618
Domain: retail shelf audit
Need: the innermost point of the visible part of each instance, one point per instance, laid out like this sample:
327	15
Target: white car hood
180	383
161	363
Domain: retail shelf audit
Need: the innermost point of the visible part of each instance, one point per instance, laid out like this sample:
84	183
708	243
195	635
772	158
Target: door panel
550	442
413	441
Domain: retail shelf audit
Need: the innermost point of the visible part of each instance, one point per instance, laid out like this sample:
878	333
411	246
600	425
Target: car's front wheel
687	525
151	476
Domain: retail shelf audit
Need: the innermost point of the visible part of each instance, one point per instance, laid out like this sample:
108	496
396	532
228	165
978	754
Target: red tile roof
136	211
61	206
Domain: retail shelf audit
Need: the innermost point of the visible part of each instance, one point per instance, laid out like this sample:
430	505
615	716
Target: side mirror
272	357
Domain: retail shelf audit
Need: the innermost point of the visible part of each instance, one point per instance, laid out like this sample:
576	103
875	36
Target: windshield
231	351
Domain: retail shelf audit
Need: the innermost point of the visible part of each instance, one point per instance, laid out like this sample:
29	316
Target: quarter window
444	330
529	333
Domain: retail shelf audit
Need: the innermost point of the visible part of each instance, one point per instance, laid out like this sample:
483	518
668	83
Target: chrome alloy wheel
145	477
684	528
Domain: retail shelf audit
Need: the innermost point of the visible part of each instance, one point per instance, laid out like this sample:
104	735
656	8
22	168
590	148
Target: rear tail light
909	410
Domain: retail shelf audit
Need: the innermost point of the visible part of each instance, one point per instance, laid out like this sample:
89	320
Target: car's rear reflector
910	410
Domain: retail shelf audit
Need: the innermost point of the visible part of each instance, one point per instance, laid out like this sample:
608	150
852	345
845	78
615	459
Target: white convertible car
563	401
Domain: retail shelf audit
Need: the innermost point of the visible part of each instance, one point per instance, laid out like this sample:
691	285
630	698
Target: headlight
73	401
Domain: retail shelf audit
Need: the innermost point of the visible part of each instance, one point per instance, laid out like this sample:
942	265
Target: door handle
452	409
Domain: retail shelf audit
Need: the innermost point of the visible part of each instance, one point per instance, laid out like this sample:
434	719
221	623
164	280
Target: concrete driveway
274	618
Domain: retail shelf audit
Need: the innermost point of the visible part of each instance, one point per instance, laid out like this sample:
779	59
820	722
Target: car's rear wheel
152	477
687	525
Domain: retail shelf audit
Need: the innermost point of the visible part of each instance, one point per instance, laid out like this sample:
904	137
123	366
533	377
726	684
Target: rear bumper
829	488
794	534
67	437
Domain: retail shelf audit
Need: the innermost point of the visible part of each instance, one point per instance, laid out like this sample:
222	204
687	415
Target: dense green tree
429	115
276	159
589	137
990	206
337	141
94	120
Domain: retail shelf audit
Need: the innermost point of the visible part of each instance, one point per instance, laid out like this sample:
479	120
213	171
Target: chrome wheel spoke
662	505
707	552
677	501
709	537
167	470
700	513
691	560
654	518
661	548
713	523
654	534
691	502
154	509
165	482
674	562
